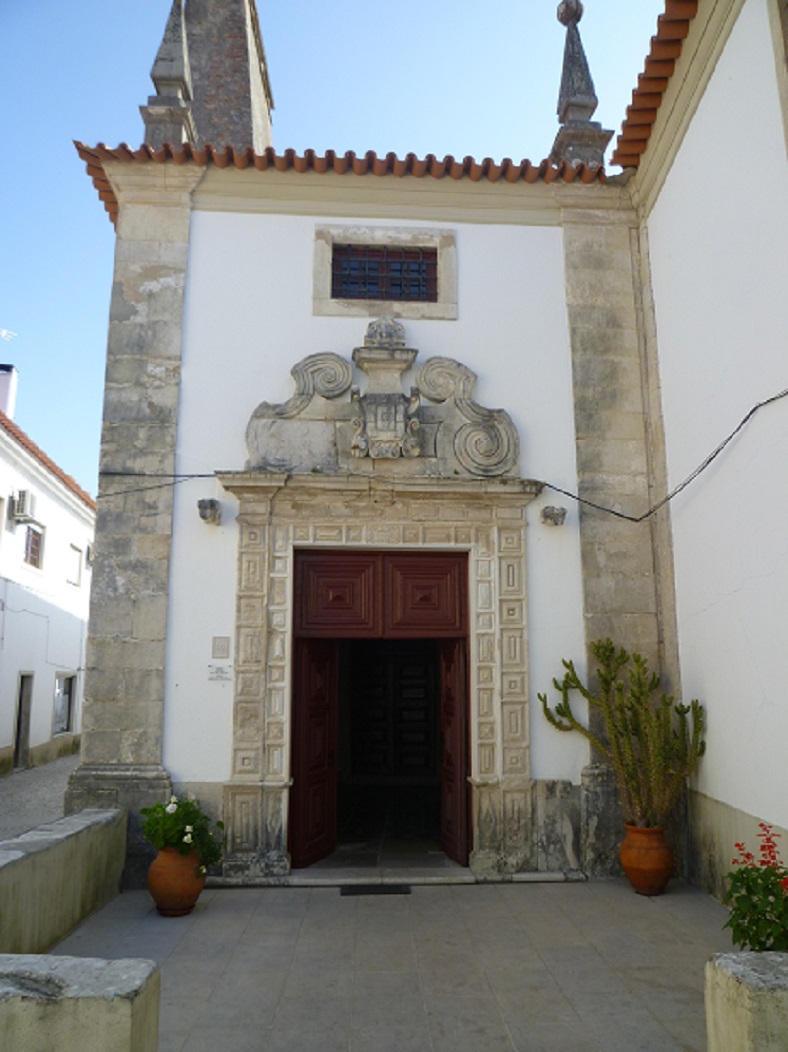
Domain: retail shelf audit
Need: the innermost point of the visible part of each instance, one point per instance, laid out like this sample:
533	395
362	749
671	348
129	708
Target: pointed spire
168	116
579	140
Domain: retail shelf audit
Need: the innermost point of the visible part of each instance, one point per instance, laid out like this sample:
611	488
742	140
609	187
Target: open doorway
380	752
22	728
388	773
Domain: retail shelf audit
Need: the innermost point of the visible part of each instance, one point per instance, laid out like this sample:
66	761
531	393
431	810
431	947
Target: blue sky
419	76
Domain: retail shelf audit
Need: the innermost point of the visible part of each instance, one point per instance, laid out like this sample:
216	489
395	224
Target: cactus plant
652	743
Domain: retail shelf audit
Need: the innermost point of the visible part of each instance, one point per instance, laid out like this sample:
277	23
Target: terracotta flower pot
647	859
174	883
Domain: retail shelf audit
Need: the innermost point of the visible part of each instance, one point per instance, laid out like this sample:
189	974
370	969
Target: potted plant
187	845
757	894
652	743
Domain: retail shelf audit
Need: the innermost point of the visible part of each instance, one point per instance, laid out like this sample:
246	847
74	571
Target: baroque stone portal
381	469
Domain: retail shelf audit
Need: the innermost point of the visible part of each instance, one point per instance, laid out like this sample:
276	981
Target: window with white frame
74	567
34	547
368	271
65	693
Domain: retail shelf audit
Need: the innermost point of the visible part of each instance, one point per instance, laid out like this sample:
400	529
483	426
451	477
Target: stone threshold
329	878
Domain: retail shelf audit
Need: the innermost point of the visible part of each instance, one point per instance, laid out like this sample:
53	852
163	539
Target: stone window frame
444	241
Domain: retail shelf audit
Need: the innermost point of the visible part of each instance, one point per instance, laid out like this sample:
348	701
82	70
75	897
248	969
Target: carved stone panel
331	426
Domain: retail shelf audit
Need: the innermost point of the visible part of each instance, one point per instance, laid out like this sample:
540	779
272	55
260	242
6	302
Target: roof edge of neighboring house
24	440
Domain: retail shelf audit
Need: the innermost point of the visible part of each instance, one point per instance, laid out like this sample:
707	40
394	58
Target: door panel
313	825
454	786
338	595
425	595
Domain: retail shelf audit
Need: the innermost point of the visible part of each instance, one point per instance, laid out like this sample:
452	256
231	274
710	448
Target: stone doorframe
281	513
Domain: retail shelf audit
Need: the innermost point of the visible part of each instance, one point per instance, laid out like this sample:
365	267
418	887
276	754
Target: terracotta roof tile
672	29
28	444
342	164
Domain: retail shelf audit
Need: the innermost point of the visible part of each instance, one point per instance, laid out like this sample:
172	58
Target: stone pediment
333	426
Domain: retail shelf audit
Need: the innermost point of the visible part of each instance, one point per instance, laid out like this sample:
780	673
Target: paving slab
447	968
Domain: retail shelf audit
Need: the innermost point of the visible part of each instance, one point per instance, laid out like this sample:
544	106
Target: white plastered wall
248	321
718	237
43	610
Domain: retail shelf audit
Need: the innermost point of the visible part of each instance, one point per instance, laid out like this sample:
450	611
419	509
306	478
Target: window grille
384	272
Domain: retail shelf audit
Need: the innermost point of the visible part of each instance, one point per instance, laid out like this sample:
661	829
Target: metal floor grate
374	889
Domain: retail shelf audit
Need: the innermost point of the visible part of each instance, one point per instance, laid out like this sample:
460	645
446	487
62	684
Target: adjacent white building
46	536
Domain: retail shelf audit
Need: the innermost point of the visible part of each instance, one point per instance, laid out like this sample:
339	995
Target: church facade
350	404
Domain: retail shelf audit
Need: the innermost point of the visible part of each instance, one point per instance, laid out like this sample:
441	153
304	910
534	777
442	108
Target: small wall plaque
220	648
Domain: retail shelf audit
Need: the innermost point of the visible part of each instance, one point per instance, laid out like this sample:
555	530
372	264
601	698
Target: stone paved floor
561	967
32	797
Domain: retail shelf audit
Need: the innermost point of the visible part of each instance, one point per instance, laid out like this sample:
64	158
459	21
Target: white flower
187	839
171	807
189	829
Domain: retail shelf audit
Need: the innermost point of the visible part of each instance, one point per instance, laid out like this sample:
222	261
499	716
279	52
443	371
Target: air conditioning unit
25	506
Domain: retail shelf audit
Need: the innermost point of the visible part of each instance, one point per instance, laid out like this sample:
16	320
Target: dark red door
454	786
373	595
313	825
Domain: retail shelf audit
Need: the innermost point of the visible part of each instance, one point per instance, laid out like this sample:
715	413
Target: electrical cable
174	480
682	485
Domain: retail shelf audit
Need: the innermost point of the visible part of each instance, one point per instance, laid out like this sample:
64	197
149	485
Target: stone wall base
127	786
601	821
714	829
46	752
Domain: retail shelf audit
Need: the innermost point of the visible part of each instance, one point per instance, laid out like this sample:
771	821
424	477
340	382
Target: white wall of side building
44	609
718	236
248	320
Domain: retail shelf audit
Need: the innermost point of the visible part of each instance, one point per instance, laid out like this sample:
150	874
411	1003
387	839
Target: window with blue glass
384	272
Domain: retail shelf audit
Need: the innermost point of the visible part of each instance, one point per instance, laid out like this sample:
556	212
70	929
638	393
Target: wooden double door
403	693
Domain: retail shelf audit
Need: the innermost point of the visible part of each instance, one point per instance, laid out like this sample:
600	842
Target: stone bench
56	875
747	1002
78	1004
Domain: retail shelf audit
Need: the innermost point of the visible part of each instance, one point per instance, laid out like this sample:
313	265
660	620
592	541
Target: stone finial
570	11
384	332
168	116
580	140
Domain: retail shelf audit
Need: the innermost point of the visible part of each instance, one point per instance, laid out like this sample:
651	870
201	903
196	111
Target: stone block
557	804
78	1004
52	877
746	999
601	822
100	746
